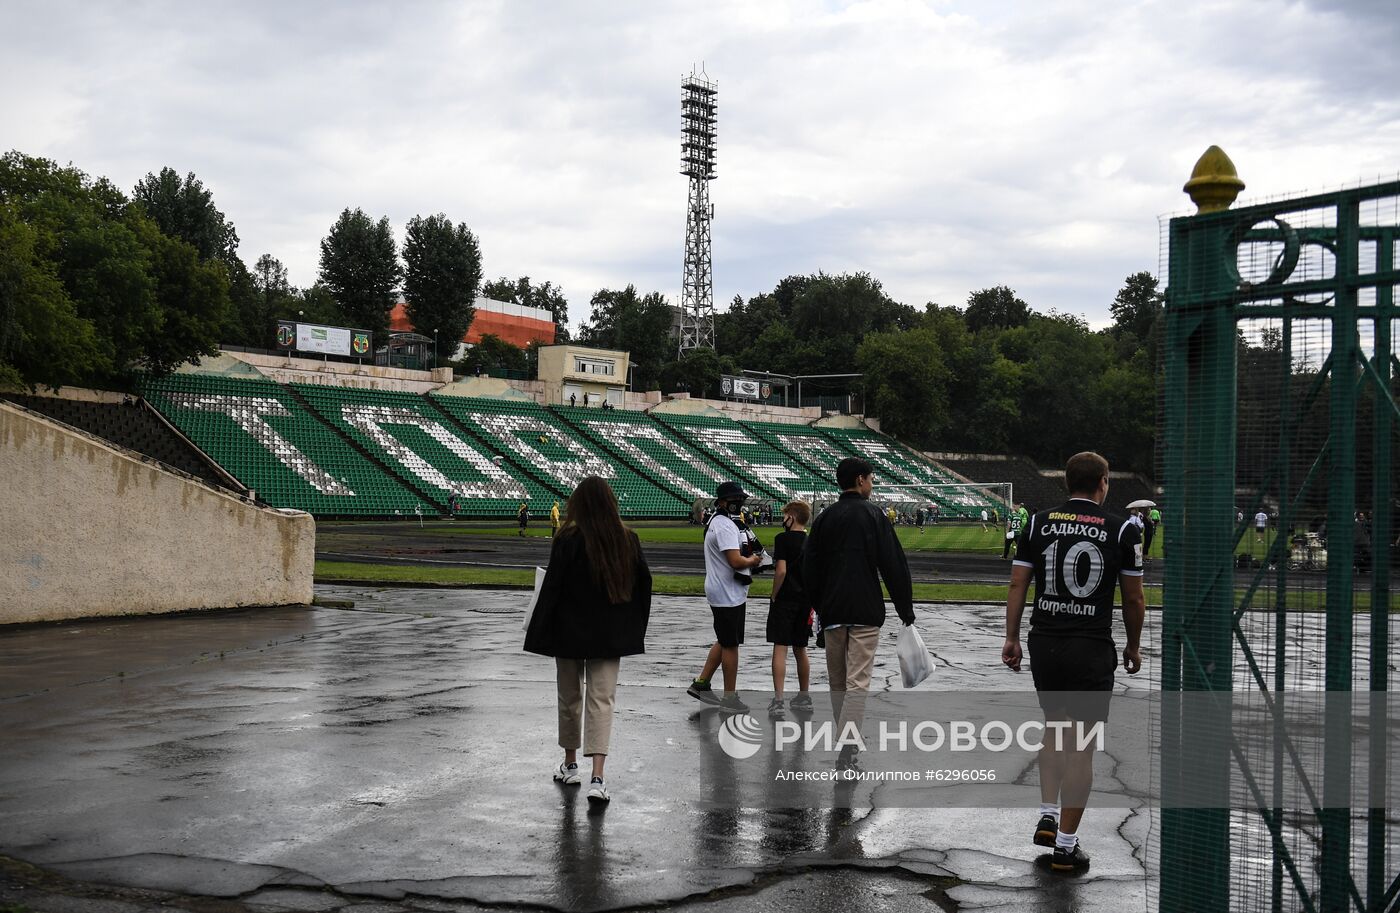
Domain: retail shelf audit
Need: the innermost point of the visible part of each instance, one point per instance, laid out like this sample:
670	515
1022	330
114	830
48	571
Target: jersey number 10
1071	568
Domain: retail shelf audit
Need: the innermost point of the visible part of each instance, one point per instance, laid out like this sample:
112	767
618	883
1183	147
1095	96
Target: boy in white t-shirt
732	554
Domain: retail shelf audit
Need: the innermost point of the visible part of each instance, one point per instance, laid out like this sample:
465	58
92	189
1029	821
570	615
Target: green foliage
360	268
260	298
906	381
111	295
996	308
697	373
546	295
313	305
42	338
441	277
641	325
183	209
491	353
1137	307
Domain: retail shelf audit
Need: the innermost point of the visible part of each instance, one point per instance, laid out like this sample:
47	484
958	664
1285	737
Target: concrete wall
287	370
91	529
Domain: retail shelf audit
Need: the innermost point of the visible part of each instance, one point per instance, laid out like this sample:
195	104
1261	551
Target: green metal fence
1279	400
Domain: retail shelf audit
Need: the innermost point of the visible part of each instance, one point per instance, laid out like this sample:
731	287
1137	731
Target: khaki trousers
850	657
594	722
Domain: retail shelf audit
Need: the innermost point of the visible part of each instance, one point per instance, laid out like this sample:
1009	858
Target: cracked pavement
396	756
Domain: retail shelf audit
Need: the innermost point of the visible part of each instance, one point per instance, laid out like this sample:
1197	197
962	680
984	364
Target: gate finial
1214	182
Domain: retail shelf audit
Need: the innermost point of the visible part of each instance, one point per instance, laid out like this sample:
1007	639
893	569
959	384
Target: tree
493	352
441	277
184	209
1136	307
641	326
268	297
997	308
697	372
832	314
905	381
546	296
150	300
313	305
360	268
42	338
809	321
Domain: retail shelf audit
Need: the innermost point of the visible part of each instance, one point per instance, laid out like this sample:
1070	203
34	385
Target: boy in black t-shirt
1078	555
790	612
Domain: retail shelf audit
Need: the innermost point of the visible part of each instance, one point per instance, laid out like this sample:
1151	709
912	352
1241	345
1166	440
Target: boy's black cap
730	491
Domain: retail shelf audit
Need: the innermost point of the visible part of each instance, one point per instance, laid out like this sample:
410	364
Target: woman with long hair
593	609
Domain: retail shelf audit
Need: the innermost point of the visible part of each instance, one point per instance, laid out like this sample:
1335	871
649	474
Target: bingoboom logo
740	736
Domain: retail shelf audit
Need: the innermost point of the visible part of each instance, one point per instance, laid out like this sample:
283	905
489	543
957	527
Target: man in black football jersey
1078	554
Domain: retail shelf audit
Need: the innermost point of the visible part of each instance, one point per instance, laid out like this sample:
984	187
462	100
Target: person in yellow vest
554	519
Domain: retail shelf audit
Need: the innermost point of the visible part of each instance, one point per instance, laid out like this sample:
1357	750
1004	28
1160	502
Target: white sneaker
567	774
598	791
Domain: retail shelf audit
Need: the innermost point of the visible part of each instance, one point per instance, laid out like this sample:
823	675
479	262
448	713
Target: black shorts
729	624
788	624
1073	676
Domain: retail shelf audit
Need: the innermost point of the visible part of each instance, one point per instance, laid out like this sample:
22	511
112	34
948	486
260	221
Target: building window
592	366
614	396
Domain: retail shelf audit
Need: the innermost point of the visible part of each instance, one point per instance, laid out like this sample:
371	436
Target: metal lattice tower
698	103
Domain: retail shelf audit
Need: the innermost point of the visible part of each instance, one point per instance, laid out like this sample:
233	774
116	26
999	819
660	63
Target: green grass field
1309	600
662	584
937	538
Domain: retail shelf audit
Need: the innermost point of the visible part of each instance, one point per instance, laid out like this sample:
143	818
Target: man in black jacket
850	548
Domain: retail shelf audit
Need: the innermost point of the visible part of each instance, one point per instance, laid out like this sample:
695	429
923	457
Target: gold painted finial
1214	182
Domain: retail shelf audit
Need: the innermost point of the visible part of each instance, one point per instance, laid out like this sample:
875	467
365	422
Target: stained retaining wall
90	529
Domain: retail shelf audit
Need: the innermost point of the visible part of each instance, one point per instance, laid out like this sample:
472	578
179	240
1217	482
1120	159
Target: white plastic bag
534	598
914	662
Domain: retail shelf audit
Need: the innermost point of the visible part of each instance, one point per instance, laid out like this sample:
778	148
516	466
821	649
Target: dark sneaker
1075	860
801	704
776	710
702	691
731	704
1045	831
848	759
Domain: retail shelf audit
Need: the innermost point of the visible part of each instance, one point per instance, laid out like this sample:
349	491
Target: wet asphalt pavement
396	756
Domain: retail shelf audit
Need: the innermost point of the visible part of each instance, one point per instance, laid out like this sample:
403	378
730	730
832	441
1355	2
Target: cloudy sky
941	146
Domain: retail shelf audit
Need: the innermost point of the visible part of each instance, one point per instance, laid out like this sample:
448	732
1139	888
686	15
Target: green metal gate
1279	400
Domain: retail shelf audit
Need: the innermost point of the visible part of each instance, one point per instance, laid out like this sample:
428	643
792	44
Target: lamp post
435	347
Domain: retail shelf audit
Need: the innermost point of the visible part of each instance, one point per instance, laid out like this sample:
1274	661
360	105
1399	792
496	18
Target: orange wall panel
520	331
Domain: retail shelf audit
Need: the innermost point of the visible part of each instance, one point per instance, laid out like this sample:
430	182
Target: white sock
1051	809
1066	842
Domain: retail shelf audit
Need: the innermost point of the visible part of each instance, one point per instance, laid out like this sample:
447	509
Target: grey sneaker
731	704
702	692
567	774
598	791
802	703
776	710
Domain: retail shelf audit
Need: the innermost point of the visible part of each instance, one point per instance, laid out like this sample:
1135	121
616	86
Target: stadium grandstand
354	444
1038	487
131	423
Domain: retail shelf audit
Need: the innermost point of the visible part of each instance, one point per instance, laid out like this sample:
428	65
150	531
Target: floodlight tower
698	102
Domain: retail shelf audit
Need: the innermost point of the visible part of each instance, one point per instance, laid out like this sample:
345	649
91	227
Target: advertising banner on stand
323	340
740	387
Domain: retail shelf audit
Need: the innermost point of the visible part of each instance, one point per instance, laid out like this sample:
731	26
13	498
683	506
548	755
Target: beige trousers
850	657
595	722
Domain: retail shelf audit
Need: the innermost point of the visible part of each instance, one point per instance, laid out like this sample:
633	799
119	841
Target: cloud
943	147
